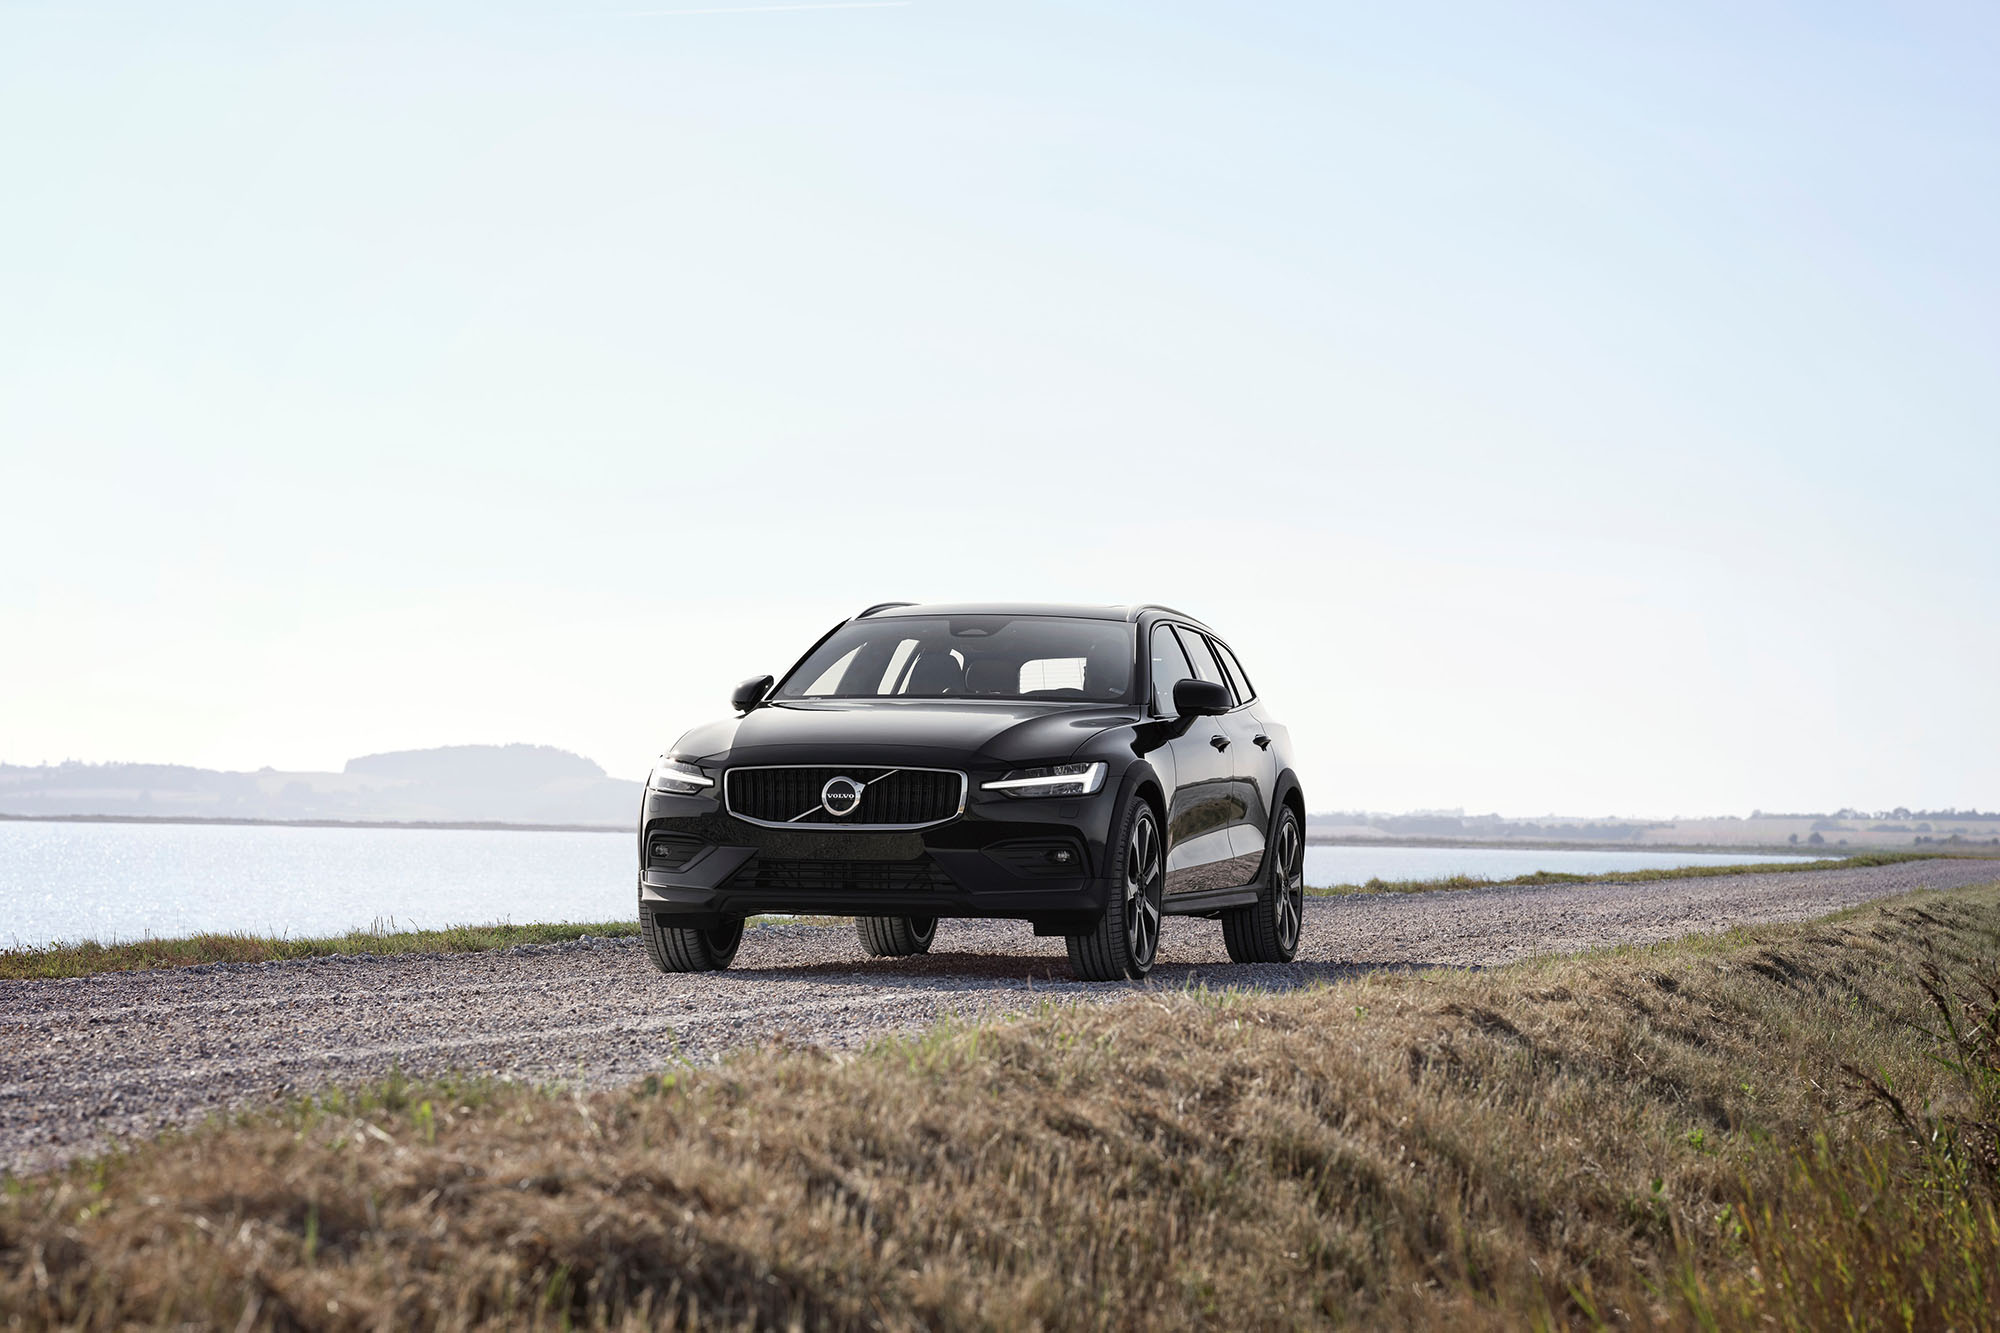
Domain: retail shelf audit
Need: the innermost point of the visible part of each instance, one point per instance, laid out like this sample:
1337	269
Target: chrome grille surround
790	797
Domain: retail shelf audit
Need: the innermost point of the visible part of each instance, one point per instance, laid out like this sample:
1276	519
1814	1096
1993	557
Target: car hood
941	733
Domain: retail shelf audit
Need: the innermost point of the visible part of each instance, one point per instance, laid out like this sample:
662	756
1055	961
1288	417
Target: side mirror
751	693
1201	698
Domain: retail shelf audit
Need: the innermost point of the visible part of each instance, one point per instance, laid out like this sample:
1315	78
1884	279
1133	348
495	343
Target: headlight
677	779
1057	780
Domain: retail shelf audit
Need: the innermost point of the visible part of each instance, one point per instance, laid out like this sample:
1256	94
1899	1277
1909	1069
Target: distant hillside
519	784
478	766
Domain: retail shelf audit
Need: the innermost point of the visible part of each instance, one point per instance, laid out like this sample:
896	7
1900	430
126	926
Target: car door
1198	816
1234	735
1256	760
1205	803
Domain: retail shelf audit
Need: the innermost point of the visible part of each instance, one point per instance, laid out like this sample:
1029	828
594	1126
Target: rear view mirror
750	693
1201	698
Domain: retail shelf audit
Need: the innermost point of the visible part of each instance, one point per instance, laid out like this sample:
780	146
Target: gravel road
87	1061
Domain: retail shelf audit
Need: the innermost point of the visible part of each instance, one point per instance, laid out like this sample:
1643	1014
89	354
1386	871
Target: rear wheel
682	949
1268	930
896	936
1127	940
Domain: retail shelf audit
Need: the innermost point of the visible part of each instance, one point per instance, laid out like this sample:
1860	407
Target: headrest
992	675
936	673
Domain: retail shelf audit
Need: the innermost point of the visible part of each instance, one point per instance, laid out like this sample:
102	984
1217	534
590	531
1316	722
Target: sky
1563	408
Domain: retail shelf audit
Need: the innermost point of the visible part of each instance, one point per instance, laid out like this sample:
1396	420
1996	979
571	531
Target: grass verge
1621	876
76	960
1789	1127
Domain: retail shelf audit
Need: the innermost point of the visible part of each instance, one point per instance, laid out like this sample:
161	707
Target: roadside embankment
88	1062
1792	1126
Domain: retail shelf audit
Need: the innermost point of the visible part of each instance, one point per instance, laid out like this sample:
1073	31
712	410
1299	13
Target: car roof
885	610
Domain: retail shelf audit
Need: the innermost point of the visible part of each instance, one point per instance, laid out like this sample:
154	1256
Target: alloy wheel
1290	870
1143	882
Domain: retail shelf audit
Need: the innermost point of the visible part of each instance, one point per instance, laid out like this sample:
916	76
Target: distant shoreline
465	825
1816	851
1556	845
1312	839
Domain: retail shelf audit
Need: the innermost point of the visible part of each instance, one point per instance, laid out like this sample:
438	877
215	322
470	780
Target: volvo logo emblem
840	796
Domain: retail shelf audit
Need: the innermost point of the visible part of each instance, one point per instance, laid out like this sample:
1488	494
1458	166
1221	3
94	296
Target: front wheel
1127	940
1268	930
682	949
896	936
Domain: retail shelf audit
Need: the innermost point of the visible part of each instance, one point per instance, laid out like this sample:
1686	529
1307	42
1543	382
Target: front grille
890	798
841	876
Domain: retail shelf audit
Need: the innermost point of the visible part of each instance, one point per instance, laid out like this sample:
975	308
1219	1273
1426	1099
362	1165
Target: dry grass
1678	1135
82	959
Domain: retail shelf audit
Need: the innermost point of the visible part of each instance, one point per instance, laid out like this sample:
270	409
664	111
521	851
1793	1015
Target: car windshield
969	657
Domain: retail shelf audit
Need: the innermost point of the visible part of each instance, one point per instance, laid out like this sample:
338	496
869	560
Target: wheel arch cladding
1291	795
1145	784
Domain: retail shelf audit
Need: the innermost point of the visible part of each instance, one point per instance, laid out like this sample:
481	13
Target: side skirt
1209	900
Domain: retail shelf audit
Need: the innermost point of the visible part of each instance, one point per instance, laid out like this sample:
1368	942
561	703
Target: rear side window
1170	667
1203	660
1053	673
896	676
1238	681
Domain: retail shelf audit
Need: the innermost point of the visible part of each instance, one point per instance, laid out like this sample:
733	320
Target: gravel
88	1061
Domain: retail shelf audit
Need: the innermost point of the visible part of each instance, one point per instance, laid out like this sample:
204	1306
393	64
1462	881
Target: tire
681	949
1268	931
896	936
1127	940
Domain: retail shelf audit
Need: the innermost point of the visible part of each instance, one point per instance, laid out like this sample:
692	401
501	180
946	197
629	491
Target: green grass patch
76	960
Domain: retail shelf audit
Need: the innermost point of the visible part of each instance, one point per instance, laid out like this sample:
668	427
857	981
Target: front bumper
999	858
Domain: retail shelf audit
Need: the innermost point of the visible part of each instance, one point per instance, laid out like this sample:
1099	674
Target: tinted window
1054	673
1239	682
1170	667
1203	660
828	680
992	657
896	676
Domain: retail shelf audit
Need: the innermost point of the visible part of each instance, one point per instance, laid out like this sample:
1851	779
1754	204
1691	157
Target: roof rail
1144	607
882	606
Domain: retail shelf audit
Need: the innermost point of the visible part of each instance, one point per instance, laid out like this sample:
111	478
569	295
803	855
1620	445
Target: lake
61	881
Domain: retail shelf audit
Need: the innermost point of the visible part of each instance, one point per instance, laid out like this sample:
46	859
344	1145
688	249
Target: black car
1086	769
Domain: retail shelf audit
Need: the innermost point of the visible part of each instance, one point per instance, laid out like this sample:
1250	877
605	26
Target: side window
1053	673
1202	658
1170	667
1239	682
896	675
1237	669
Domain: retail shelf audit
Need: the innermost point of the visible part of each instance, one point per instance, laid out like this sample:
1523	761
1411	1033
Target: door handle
1219	742
1263	741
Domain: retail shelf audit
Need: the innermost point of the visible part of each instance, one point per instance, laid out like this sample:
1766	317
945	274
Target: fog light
1061	857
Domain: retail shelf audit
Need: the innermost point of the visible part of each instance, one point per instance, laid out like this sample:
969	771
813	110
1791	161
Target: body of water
127	881
109	882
